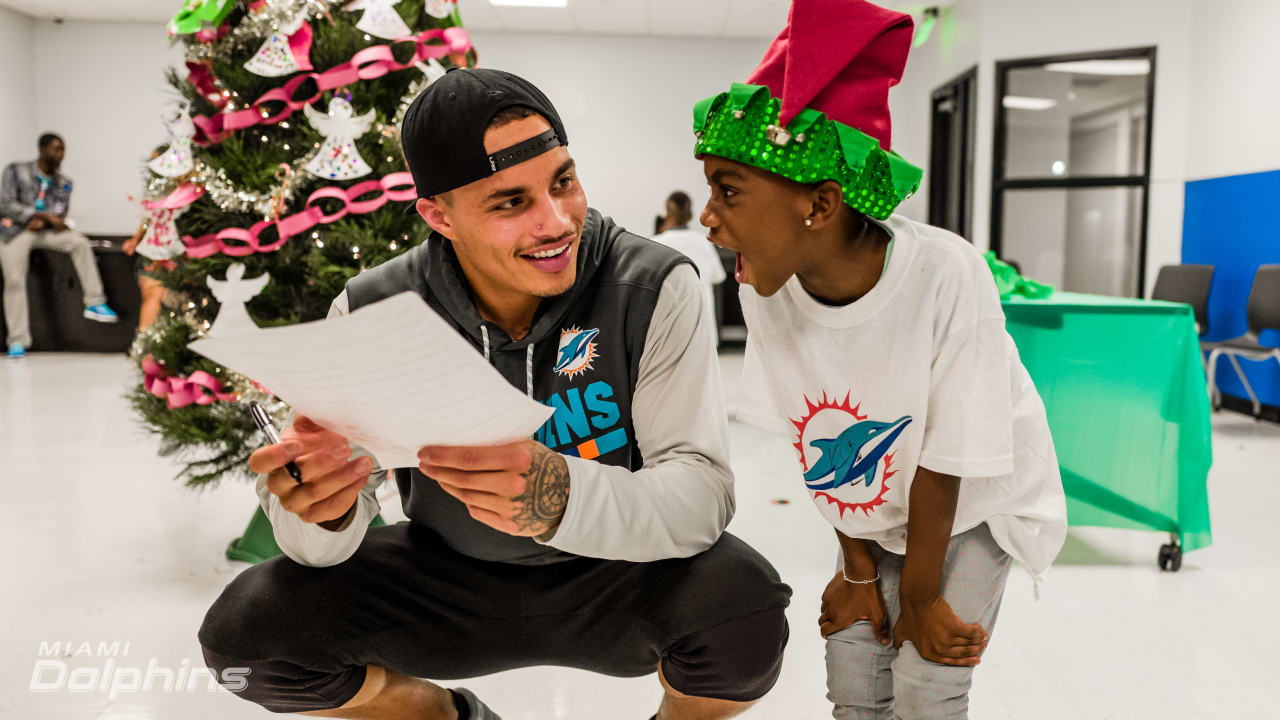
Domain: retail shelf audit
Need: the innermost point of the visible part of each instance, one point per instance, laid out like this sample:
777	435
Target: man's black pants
405	602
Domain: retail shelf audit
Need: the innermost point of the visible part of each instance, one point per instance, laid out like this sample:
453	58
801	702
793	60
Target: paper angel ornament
440	8
287	51
232	294
338	158
177	160
380	18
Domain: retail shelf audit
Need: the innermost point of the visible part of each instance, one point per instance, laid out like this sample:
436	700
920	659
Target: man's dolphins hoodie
626	358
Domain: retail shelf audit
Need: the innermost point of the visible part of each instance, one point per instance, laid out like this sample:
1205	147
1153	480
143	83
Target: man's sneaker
17	351
479	711
101	313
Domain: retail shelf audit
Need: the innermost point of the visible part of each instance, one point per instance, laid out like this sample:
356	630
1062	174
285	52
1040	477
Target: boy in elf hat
877	344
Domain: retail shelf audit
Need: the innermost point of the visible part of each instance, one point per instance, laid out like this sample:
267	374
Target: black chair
1188	284
1262	313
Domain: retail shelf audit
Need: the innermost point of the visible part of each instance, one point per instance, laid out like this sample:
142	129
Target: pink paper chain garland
182	196
201	388
393	188
367	64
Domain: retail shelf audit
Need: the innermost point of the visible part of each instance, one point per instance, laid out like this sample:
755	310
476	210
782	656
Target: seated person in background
675	234
34	198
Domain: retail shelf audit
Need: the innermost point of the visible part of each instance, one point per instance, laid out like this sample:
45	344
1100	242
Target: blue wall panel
1233	223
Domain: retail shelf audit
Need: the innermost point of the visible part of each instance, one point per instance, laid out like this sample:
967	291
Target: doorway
951	154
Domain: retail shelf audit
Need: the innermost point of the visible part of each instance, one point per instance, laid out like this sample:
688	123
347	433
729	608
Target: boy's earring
808	222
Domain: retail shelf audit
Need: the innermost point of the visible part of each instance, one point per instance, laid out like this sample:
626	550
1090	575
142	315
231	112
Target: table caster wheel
1170	557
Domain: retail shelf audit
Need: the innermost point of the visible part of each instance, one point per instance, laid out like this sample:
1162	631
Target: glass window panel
1080	239
1076	119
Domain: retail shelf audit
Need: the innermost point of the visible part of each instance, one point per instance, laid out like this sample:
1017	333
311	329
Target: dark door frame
999	183
969	76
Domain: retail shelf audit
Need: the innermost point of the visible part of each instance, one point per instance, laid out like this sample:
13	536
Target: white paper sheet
391	377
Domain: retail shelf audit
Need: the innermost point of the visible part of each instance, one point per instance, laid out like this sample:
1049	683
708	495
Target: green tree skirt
259	542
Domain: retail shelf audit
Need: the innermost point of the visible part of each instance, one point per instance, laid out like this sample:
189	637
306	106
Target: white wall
627	105
101	87
18	132
986	31
1233	123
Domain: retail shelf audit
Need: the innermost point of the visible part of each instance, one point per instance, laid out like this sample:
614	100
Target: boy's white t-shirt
919	371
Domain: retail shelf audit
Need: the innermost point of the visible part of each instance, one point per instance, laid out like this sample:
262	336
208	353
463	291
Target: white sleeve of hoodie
308	543
679	503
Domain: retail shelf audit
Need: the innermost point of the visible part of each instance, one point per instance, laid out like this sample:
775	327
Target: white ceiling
710	18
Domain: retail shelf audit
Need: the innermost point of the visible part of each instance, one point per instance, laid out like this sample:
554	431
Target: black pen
264	424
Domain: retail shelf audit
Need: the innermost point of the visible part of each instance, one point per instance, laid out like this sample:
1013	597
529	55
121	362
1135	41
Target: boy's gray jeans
866	680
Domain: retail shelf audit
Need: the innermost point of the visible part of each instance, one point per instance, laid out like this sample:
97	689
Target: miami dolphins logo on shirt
844	453
577	350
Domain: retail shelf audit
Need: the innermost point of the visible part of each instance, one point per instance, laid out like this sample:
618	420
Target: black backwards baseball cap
442	134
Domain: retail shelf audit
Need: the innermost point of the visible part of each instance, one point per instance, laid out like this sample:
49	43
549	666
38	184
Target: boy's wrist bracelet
859	582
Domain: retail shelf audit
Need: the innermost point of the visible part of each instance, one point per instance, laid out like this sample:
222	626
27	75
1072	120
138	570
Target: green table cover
1128	407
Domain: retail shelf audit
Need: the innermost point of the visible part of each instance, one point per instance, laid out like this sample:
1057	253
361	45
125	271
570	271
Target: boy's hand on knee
938	634
845	603
331	481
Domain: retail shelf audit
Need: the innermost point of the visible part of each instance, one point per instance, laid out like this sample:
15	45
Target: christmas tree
284	156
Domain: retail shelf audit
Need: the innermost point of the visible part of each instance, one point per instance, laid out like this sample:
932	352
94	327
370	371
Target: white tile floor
101	545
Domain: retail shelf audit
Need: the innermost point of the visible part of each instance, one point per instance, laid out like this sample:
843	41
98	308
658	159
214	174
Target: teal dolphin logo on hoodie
576	351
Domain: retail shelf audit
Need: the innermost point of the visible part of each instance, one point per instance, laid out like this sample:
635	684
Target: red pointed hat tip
839	57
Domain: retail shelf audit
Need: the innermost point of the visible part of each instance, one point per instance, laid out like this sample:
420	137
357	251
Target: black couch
57	308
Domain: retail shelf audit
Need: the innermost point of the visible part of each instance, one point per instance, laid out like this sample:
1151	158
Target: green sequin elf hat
817	107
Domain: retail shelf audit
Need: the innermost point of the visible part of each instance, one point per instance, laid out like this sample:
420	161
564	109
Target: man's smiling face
516	232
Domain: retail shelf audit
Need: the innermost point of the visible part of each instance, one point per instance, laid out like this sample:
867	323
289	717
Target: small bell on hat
817	107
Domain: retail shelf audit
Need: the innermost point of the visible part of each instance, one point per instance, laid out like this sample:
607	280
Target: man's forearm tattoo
543	502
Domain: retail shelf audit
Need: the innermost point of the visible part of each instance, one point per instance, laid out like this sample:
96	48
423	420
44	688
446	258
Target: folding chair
1262	313
1188	284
